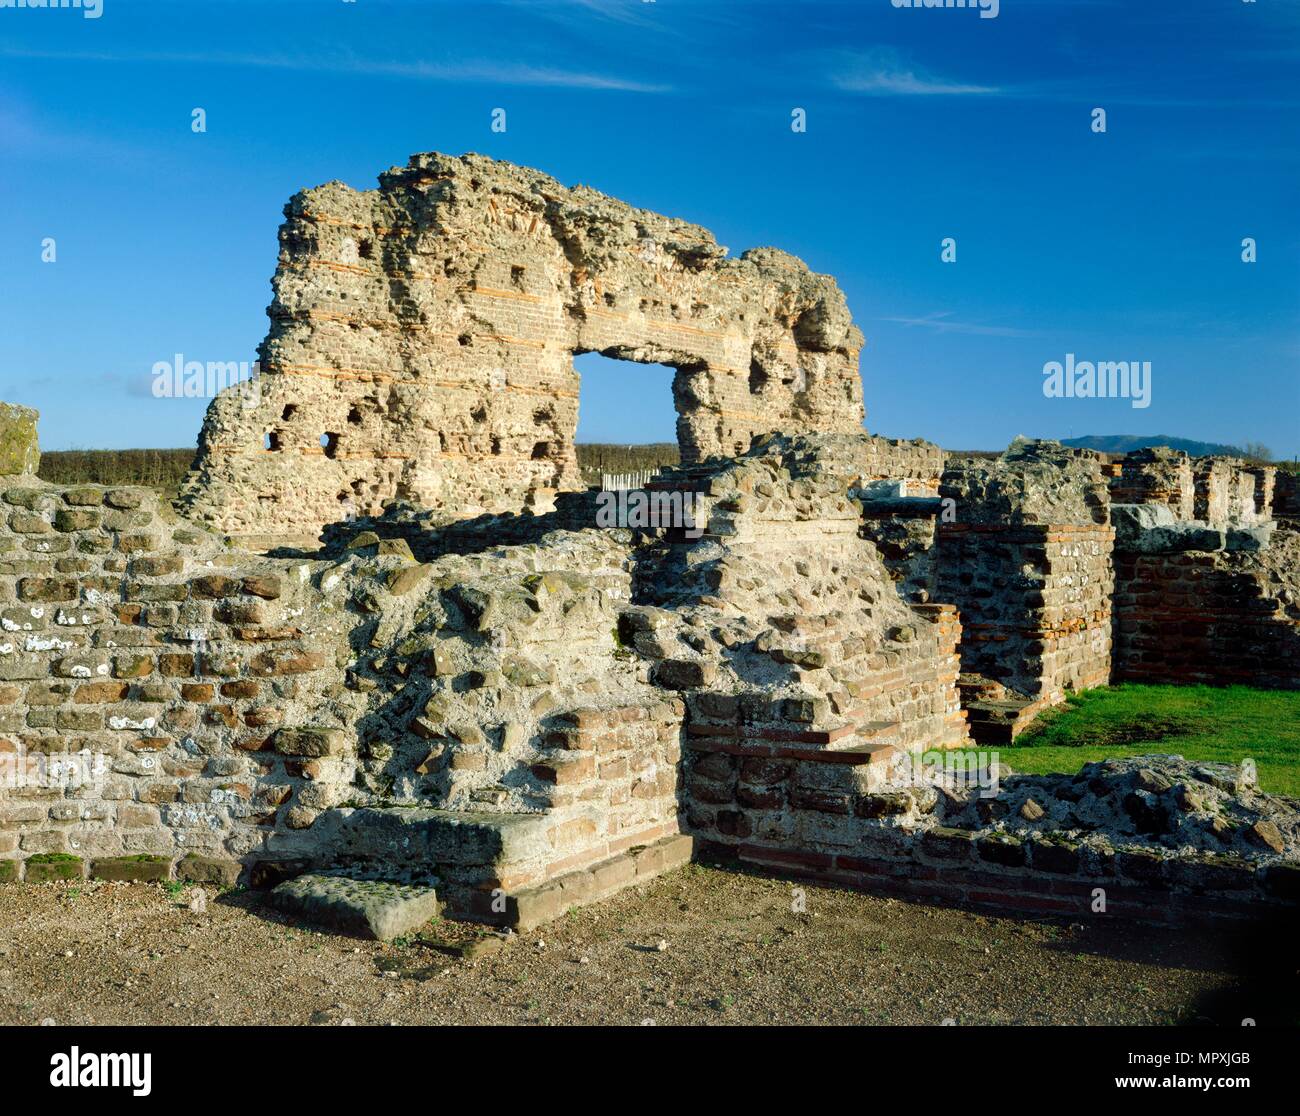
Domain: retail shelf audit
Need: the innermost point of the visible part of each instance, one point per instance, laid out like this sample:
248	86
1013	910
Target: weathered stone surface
1161	802
1153	529
19	450
309	741
208	870
371	908
144	868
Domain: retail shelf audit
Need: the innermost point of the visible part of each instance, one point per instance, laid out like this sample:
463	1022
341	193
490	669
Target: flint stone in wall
309	741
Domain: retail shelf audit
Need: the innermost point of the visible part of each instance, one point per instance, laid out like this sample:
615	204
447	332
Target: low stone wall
955	867
1152	838
1208	616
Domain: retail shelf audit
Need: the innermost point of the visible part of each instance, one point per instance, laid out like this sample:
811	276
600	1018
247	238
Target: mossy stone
19	450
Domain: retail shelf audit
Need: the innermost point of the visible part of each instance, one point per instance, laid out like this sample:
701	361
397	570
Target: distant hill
1124	443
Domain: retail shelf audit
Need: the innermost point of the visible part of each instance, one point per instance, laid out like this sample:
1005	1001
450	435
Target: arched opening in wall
271	441
627	416
329	442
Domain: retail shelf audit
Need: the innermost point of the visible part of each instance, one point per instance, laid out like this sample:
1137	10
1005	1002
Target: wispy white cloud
884	73
942	322
489	73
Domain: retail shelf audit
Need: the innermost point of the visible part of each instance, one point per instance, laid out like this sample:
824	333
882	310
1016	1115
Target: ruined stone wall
1027	562
799	795
1164	840
1265	485
532	713
498	687
1286	494
1156	476
913	467
1189	610
803	671
497	707
160	696
904	533
1227	490
1035	604
1209	489
236	713
563	702
422	337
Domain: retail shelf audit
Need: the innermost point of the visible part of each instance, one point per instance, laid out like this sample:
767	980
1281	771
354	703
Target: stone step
532	906
367	907
1000	722
429	842
485	866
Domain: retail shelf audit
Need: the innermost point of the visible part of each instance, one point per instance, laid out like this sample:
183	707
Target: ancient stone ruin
422	342
476	694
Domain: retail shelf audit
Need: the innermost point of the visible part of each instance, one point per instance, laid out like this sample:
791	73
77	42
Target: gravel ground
698	946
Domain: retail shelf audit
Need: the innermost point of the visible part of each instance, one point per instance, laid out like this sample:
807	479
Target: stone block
44	867
367	907
19	448
310	741
143	868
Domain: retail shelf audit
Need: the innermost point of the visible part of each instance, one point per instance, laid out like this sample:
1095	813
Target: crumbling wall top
1033	482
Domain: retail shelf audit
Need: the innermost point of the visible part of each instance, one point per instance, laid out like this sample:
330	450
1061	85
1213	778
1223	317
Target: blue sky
921	125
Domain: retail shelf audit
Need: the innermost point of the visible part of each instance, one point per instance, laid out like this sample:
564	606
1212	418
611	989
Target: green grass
1219	725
